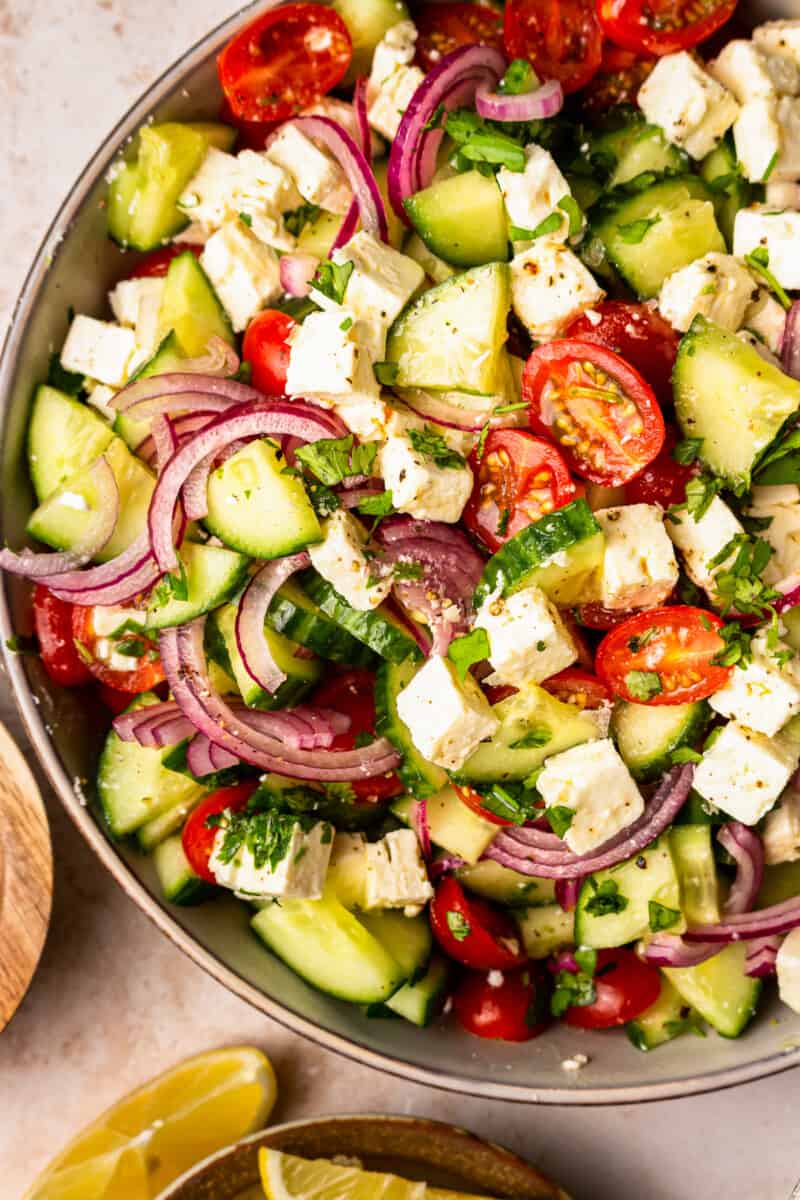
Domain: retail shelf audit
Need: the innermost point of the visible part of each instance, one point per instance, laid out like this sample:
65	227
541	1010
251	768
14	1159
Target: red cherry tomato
663	481
636	333
664	656
518	479
52	619
578	687
472	932
145	671
624	985
595	616
599	410
353	692
266	348
198	836
662	26
444	27
113	699
561	38
617	82
252	135
283	61
156	264
515	1010
474	801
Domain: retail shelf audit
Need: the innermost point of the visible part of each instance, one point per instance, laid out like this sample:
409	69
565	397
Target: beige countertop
114	1002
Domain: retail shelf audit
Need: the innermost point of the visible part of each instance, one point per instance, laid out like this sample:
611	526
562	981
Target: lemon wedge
285	1177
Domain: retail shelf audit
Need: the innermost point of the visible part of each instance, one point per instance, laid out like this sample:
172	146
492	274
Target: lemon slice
285	1177
155	1134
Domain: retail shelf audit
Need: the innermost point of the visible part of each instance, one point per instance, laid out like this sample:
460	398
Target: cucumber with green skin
367	21
693	855
160	828
213	574
420	777
647	736
452	824
408	939
462	219
649	878
545	929
633	149
719	990
731	191
296	616
167	358
494	882
423	999
179	883
301	673
668	1018
377	628
64	436
191	309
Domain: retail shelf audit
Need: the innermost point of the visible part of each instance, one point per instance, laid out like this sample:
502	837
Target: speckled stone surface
114	1002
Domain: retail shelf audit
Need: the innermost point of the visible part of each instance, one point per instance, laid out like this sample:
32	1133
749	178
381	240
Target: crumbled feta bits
396	49
396	875
206	199
323	356
528	639
251	184
420	486
300	873
716	286
700	541
767	137
533	194
319	179
779	37
341	558
744	772
380	285
787	965
137	304
99	349
761	227
592	781
764	694
766	318
693	109
782	193
780	505
639	568
244	272
391	100
576	1063
780	835
549	286
748	70
447	717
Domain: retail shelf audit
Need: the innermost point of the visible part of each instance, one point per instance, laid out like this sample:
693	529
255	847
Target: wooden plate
26	876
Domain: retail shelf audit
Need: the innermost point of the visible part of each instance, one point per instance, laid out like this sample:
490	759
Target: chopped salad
426	509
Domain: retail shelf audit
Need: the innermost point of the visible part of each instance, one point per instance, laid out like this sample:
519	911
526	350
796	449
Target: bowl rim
79	812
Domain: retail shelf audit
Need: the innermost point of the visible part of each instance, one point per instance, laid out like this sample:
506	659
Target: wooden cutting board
26	876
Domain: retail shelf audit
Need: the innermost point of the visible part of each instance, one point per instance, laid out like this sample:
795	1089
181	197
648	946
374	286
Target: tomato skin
473	802
625	987
516	1011
659	26
621	74
681	653
145	673
198	838
353	692
487	939
266	348
113	699
622	413
663	481
594	616
637	333
156	264
445	27
283	61
561	38
578	687
52	619
518	479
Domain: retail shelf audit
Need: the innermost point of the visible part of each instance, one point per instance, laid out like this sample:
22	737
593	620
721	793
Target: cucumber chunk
190	308
495	882
168	357
420	777
693	855
433	266
727	396
453	336
408	939
420	1001
64	436
178	881
462	219
212	573
330	948
730	189
781	882
636	148
367	21
668	1018
154	832
295	615
719	989
301	673
347	870
597	923
560	553
453	826
647	736
377	628
546	929
247	487
317	236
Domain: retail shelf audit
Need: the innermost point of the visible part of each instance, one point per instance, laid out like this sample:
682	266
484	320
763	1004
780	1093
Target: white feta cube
787	966
780	835
418	485
767	137
396	49
744	772
766	318
137	303
100	397
750	339
396	874
639	568
99	349
323	356
391	100
250	183
761	227
592	781
300	873
549	286
779	37
693	109
528	639
764	694
447	717
319	179
206	199
380	285
747	71
244	272
716	286
343	114
782	193
701	541
787	166
533	194
341	559
780	505
194	234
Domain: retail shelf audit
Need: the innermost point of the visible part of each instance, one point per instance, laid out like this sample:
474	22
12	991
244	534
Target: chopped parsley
572	990
431	445
607	900
700	493
758	262
519	78
662	917
686	452
636	231
643	685
246	219
332	279
458	925
550	224
737	650
296	220
267	835
386	373
502	522
379	505
464	651
171	587
17	644
407	571
560	817
533	739
740	585
333	459
640	640
570	206
323	500
513	802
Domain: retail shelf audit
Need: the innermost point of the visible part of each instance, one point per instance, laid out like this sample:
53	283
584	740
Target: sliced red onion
350	222
297	271
790	345
258	595
200	756
128	726
183	425
434	408
790	597
565	960
538	105
764	922
567	892
165	440
444	865
419	822
220	359
670	950
746	848
116	582
761	958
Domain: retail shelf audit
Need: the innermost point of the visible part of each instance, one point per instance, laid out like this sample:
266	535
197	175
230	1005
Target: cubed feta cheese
528	639
137	303
764	694
206	199
787	966
780	505
594	782
533	194
100	397
420	487
700	541
341	559
780	835
250	183
108	619
245	273
319	179
549	286
744	772
323	356
788	165
782	193
391	100
639	568
766	318
776	232
381	283
767	137
447	717
693	109
716	286
747	71
300	873
343	114
396	49
396	875
779	37
99	349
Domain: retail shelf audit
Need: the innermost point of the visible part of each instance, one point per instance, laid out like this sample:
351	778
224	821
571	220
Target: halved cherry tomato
663	481
145	670
664	656
472	932
636	333
252	135
474	801
515	1009
156	264
114	700
518	479
283	61
600	411
617	82
624	985
561	38
198	837
52	620
266	348
445	27
662	26
353	692
578	687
